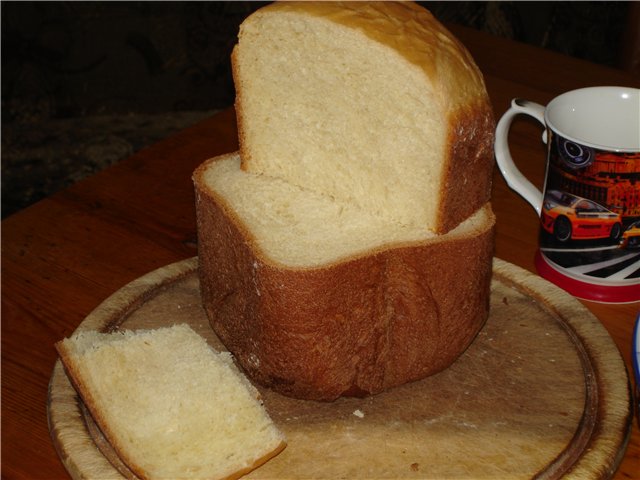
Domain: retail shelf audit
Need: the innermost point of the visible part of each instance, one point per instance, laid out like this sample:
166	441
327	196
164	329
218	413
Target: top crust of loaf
409	29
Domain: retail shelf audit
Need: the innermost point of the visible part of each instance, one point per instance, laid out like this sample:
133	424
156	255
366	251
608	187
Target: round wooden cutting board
541	393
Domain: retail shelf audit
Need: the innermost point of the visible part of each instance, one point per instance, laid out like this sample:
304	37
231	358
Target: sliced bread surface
314	314
171	407
296	227
372	103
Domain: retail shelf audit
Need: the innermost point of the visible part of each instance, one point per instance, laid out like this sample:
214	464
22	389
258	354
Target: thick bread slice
394	305
171	407
373	103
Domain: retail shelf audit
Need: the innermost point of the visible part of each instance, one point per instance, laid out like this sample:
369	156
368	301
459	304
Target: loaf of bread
317	298
372	103
171	407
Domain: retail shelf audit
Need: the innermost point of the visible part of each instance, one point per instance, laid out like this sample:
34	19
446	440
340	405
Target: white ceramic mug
589	207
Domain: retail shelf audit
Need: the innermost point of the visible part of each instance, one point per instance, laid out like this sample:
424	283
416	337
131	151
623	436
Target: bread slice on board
318	298
170	406
372	103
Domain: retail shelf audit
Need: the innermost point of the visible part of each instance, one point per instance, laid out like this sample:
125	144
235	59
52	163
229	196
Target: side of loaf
372	103
364	322
169	405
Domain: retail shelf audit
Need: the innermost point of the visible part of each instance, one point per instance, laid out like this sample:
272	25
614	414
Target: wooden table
64	255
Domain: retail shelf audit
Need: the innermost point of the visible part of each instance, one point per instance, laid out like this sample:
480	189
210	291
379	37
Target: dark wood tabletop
64	255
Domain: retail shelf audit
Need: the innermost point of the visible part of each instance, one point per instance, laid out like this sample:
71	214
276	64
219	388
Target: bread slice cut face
318	299
295	227
371	103
170	406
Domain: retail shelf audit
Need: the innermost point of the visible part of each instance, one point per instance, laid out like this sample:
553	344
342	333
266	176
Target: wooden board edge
605	448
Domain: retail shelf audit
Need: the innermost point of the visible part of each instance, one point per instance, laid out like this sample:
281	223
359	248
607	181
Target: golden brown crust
468	172
261	461
245	152
359	326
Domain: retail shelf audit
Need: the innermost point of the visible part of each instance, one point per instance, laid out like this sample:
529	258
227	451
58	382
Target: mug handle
514	178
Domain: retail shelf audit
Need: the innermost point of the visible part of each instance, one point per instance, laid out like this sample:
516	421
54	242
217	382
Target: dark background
85	84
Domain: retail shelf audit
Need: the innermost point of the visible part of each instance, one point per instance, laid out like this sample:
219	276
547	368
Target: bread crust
354	327
466	184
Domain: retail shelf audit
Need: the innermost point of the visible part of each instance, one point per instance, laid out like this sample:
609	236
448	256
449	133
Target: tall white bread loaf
372	103
318	298
171	407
